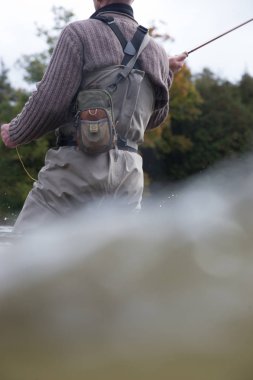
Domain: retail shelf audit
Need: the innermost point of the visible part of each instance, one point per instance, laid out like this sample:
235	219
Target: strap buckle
130	49
143	29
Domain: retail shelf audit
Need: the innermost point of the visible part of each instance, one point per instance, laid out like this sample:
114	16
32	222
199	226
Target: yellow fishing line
23	165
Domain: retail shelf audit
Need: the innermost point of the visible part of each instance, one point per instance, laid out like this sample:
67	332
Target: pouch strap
130	48
127	145
109	20
135	44
144	42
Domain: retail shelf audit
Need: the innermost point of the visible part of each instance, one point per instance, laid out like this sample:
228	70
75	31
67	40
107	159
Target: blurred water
166	294
5	236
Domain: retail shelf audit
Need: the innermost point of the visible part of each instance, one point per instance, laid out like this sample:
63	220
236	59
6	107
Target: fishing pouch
94	121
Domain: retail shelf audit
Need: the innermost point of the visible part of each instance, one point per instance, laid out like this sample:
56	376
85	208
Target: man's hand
6	136
177	62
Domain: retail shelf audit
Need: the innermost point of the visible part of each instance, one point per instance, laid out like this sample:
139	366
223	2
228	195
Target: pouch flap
93	99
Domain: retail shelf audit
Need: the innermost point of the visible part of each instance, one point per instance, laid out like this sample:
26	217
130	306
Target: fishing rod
221	35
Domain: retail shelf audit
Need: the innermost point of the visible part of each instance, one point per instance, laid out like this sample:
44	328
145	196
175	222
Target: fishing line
23	165
219	36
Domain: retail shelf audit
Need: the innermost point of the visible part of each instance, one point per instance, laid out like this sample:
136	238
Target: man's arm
49	106
175	64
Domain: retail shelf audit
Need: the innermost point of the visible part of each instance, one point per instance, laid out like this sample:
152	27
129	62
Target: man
70	178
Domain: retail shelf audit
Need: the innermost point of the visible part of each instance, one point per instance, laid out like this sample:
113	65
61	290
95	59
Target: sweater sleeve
160	114
49	105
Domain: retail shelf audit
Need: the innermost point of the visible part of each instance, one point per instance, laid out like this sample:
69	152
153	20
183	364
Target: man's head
102	3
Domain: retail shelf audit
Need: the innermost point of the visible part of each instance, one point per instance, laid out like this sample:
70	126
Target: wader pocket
95	130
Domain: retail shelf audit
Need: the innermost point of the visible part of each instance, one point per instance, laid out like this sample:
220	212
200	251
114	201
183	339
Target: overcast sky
190	22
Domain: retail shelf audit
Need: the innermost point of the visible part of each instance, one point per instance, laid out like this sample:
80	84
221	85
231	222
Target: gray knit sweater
82	47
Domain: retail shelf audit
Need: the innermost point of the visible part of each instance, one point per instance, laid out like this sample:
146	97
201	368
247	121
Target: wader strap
128	145
135	43
130	48
114	27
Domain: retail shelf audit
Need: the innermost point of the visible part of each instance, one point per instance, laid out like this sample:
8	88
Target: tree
34	65
246	90
222	130
171	139
210	120
10	99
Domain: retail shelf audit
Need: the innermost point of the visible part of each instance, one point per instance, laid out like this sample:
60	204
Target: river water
166	294
5	236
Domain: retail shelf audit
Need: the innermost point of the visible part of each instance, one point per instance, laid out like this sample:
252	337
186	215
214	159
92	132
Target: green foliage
185	99
211	119
11	100
170	140
13	185
246	90
6	93
61	18
226	118
34	66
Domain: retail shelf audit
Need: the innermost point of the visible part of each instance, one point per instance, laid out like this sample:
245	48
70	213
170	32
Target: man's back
101	48
85	46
